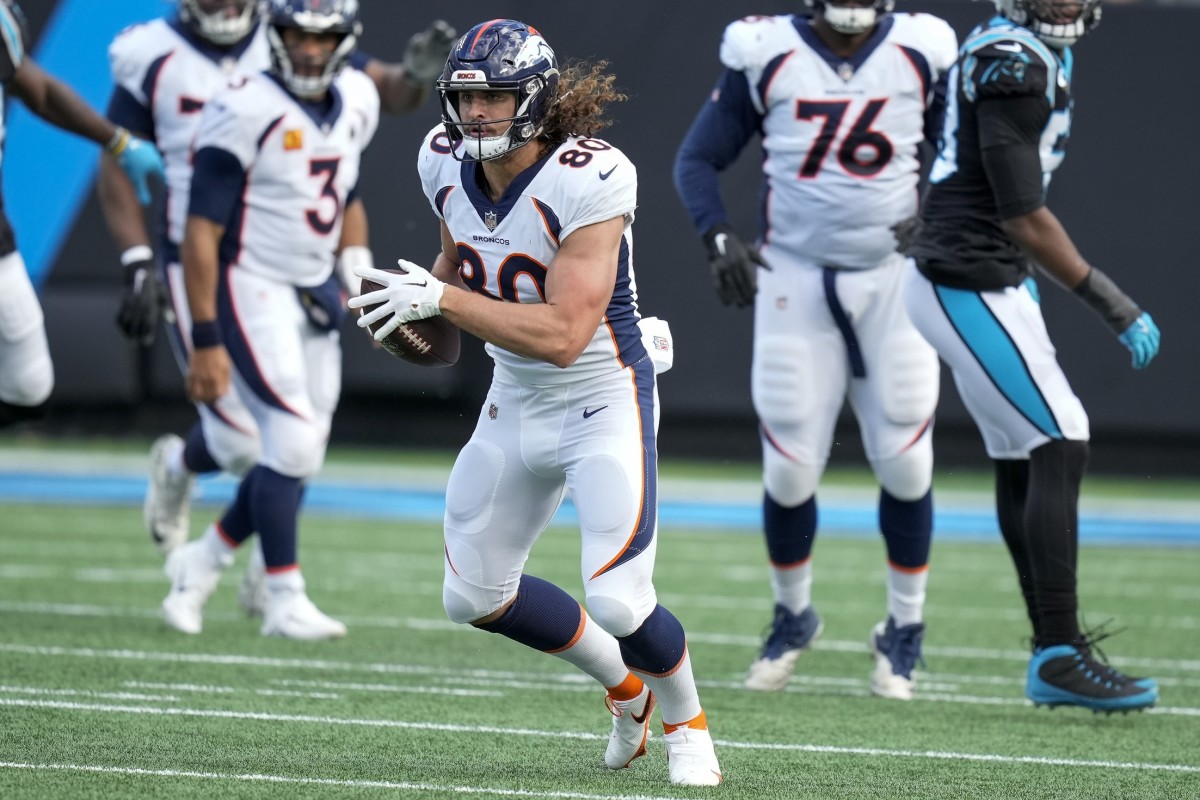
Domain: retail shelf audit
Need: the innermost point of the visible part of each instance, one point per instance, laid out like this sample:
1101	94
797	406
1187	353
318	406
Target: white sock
906	595
793	586
216	547
287	581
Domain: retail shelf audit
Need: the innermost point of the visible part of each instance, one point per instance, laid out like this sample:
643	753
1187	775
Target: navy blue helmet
311	16
500	55
222	22
1057	24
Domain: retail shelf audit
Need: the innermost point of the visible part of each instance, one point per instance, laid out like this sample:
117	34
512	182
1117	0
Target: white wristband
139	252
354	256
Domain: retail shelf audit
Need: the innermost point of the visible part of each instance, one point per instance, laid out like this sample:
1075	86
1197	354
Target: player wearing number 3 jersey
536	260
843	101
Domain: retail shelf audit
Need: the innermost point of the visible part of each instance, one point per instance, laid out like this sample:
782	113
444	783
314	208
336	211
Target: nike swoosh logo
604	175
420	285
589	414
647	710
1010	48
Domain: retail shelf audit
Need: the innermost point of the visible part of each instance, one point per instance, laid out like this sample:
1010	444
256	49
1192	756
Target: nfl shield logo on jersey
491	220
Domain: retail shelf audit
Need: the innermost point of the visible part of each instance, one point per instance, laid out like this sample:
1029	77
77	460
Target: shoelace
1090	651
783	628
906	649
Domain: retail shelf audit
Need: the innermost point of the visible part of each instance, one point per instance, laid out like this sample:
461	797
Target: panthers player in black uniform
971	294
26	372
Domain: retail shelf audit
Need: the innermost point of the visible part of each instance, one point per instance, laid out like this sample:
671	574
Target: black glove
425	56
734	266
141	302
906	232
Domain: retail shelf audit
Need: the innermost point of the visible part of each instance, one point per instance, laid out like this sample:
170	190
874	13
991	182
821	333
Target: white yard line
935	691
492	730
286	779
719	639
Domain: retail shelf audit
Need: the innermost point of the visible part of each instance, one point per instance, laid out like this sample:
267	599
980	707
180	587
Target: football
432	342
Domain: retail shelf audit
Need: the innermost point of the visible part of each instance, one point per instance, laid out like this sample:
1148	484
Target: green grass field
99	699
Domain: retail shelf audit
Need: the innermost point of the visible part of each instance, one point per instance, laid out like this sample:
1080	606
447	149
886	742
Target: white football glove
406	297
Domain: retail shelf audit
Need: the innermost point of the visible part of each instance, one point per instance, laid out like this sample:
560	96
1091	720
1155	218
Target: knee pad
618	616
602	496
465	603
909	475
789	482
909	378
294	447
236	451
20	311
472	487
781	380
30	378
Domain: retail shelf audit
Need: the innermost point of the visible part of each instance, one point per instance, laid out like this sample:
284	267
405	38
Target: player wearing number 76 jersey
843	100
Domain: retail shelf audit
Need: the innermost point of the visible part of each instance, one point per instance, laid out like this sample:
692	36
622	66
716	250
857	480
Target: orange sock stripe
224	536
281	570
699	722
669	672
908	570
578	633
627	689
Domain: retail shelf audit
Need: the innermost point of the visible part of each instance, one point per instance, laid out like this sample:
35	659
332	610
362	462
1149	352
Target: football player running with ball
971	294
843	100
535	218
276	174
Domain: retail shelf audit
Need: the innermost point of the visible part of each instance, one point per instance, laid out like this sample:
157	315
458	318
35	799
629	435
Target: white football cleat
252	592
630	728
292	615
691	759
168	497
194	575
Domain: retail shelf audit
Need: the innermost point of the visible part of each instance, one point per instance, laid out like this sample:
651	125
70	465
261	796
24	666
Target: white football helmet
1058	23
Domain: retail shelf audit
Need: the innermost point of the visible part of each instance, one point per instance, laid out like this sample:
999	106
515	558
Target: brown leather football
432	342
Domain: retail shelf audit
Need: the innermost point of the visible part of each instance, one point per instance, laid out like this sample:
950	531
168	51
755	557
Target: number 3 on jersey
329	168
863	152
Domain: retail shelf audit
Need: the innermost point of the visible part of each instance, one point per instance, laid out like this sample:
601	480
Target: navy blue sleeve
935	113
217	185
359	59
722	128
125	110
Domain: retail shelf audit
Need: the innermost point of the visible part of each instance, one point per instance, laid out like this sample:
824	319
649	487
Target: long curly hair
584	89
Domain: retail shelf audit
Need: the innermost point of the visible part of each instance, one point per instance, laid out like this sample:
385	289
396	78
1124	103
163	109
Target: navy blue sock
274	507
237	523
196	457
542	616
907	527
790	532
658	646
